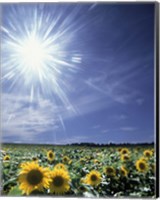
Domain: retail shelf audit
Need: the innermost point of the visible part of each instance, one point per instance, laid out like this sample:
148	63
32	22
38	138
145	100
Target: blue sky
101	86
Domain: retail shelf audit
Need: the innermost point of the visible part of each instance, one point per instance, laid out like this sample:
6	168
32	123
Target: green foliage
83	160
15	191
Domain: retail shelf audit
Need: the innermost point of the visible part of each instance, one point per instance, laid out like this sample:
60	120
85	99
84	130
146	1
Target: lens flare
32	54
38	51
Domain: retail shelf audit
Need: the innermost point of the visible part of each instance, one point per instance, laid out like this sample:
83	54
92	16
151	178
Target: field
82	171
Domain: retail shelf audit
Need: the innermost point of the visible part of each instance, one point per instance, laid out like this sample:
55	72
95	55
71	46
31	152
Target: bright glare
32	54
39	53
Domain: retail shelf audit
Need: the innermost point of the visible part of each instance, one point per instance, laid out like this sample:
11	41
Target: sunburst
38	51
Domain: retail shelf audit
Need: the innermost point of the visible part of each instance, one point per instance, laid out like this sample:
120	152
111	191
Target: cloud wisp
26	120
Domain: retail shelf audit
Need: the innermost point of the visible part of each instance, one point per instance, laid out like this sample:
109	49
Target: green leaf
95	193
105	183
10	181
15	191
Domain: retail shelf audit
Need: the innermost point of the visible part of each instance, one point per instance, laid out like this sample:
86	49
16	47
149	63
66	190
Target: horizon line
81	143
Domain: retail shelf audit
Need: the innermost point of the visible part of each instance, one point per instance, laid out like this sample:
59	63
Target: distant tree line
108	144
86	144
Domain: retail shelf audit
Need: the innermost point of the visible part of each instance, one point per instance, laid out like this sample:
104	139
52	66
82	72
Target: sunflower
147	153
123	171
50	155
60	181
143	158
66	159
153	168
96	161
110	171
33	177
93	178
82	160
60	166
124	151
125	157
21	165
141	165
35	159
6	158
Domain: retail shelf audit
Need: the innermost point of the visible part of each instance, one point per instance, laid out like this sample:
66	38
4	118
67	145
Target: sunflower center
93	177
51	155
7	158
109	170
58	181
123	172
142	166
126	157
65	159
34	177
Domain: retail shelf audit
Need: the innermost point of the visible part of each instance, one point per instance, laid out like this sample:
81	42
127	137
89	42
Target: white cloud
24	120
119	117
123	116
92	6
115	90
127	128
140	101
75	139
105	131
96	126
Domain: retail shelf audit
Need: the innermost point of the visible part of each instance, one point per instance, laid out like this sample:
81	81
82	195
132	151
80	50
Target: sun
32	53
38	53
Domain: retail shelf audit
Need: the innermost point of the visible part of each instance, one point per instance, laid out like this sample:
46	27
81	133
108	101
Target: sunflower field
77	171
